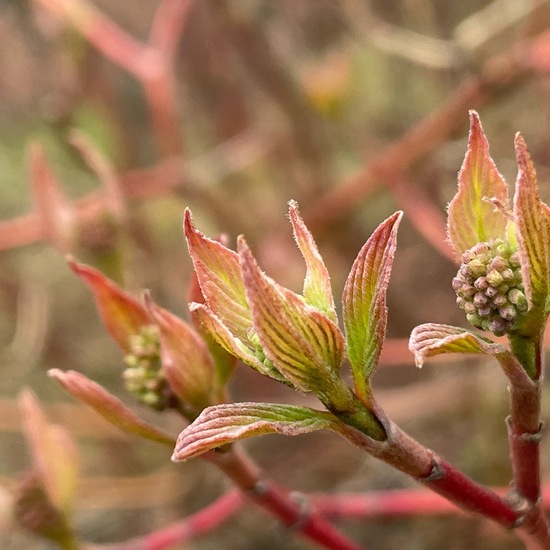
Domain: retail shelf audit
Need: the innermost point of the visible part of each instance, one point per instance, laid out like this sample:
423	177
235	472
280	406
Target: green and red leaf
364	301
185	359
219	274
227	423
317	290
215	329
108	406
431	339
302	343
54	452
122	315
532	229
472	215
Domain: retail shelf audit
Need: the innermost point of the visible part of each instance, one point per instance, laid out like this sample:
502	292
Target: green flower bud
489	287
144	377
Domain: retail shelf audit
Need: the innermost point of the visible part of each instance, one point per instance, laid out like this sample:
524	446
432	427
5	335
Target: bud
492	269
144	377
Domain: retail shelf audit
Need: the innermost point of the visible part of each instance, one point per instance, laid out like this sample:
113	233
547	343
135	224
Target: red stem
396	503
276	500
187	529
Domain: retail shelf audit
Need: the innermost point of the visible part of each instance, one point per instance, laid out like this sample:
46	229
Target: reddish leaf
433	339
108	406
213	326
54	452
122	315
532	229
364	301
302	343
317	290
220	279
186	362
472	217
224	424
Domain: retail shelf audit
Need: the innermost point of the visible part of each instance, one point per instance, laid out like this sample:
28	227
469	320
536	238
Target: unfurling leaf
219	273
364	301
108	406
532	229
212	326
122	315
317	290
433	339
473	216
224	424
186	362
54	453
302	343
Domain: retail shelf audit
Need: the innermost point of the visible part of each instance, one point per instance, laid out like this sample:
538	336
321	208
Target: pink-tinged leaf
473	217
532	229
122	315
364	301
212	325
317	290
54	209
303	344
54	453
224	424
186	362
108	406
433	339
220	279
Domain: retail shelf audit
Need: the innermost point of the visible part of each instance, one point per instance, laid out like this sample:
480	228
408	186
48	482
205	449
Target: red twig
187	529
276	500
395	503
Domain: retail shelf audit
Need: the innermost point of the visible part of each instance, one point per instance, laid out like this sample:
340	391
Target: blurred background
115	116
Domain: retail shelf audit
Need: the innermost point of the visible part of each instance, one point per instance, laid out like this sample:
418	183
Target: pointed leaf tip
301	342
54	452
532	228
471	217
364	301
317	290
107	405
122	315
219	275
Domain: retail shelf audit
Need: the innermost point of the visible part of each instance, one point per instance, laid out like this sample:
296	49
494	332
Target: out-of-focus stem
185	530
246	475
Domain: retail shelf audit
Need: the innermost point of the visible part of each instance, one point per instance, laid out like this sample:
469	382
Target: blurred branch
185	530
392	162
151	63
396	503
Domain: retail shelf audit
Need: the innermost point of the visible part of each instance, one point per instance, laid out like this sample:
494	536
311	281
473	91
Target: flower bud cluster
144	376
489	287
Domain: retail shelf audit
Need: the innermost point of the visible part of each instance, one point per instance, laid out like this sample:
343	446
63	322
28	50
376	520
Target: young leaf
302	343
224	424
212	325
122	315
186	362
54	452
108	406
472	217
220	279
364	301
317	290
433	339
532	229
